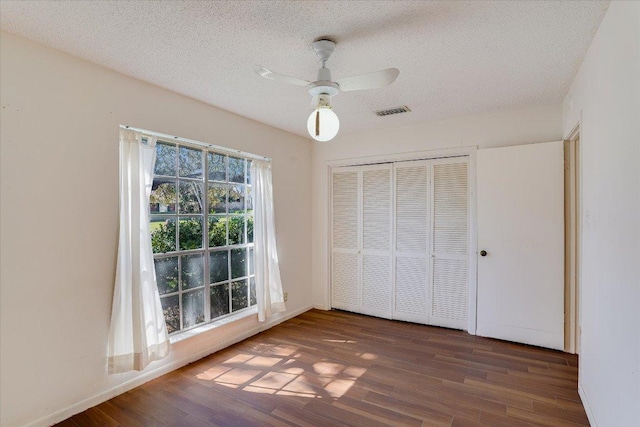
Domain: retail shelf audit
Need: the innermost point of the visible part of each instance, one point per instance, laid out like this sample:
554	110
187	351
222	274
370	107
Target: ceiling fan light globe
329	124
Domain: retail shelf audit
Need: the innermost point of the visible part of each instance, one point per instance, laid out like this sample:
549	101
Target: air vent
397	110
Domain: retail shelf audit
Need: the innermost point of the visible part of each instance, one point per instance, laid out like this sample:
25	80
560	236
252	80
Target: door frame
469	151
573	237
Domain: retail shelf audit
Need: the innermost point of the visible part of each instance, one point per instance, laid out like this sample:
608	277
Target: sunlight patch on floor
291	374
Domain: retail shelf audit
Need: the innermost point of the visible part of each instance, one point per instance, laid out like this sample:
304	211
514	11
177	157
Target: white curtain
138	333
269	295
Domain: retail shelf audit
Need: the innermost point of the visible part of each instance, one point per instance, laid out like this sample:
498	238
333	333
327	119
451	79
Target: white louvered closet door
449	246
400	237
412	256
376	240
345	263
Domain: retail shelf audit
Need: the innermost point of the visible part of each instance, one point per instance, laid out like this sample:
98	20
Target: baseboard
321	307
587	407
97	399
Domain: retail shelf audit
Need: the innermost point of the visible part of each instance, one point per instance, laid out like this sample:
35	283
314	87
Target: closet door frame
471	152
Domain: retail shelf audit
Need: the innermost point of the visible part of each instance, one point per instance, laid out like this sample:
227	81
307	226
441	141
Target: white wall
538	124
605	98
59	199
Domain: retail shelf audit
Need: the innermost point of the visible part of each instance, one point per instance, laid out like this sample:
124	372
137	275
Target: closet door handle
483	253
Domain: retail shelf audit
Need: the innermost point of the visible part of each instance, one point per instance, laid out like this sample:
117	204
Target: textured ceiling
455	58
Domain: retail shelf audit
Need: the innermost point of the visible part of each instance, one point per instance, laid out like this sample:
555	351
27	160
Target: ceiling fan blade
268	74
373	80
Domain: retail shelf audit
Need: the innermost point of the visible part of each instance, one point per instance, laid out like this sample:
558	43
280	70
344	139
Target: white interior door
521	227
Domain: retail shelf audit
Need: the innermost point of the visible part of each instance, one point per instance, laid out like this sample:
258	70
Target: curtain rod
194	142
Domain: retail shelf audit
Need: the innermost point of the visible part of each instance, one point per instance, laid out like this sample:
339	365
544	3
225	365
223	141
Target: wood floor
342	369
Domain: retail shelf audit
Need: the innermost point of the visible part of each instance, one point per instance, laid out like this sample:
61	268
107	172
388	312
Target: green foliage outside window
163	236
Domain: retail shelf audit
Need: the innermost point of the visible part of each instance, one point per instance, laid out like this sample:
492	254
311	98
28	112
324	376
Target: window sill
181	336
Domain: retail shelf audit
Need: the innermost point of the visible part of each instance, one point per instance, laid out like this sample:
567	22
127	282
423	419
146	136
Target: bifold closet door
376	267
412	256
432	238
345	238
449	243
361	239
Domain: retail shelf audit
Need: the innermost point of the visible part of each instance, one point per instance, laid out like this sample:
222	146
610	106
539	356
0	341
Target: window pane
217	195
171	310
250	257
236	199
249	162
163	234
239	263
236	230
250	229
163	196
165	159
252	291
239	295
192	271
167	275
217	167
190	233
190	197
190	162
218	266
236	169
192	308
219	300
217	231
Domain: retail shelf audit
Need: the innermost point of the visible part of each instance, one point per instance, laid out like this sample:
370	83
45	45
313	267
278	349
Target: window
201	234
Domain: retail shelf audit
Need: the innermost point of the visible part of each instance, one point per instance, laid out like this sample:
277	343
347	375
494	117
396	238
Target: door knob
483	253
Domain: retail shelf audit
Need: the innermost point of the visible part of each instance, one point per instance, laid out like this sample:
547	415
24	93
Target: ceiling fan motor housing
324	85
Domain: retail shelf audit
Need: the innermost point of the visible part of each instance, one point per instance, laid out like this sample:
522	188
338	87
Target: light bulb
326	123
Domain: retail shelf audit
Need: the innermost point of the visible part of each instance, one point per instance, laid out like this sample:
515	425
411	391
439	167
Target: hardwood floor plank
69	422
304	418
345	417
574	414
94	417
538	418
493	420
378	413
334	368
490	394
418	410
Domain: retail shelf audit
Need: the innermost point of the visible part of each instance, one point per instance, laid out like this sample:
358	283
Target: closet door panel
345	210
345	287
376	209
450	282
450	245
376	285
411	298
412	218
376	240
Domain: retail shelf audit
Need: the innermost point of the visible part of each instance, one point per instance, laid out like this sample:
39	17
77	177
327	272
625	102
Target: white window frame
205	250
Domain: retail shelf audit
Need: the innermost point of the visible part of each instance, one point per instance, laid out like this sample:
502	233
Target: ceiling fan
323	123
